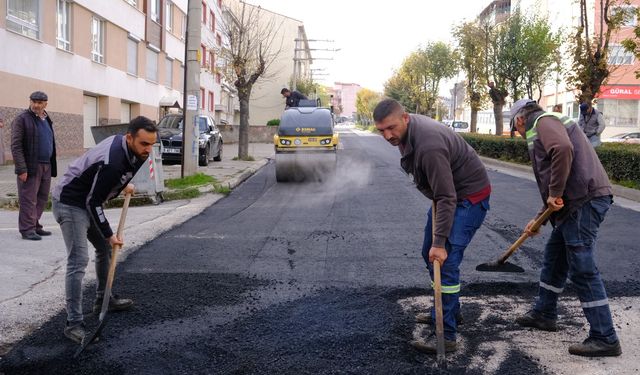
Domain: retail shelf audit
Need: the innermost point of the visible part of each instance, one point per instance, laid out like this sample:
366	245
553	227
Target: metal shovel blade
89	338
499	267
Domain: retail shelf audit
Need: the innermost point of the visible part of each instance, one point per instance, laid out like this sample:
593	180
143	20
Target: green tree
417	83
366	101
590	68
472	52
540	54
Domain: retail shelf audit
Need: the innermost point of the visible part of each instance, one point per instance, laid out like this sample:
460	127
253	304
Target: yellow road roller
306	145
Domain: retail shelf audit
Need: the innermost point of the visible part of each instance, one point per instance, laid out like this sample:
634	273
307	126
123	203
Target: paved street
327	278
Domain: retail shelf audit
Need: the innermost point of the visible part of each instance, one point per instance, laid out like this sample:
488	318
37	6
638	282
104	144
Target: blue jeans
569	253
78	227
467	219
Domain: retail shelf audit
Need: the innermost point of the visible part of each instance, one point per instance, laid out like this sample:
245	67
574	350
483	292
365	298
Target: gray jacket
592	125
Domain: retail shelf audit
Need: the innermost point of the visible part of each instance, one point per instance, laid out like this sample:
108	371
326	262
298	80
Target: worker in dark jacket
566	166
33	147
449	172
78	199
293	97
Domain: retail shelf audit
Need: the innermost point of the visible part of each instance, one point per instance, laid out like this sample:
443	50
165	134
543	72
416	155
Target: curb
618	191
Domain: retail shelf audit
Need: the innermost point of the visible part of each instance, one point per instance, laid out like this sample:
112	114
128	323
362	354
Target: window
218	78
63	18
202	97
154	10
168	15
152	65
220	4
212	60
23	17
125	112
132	56
628	15
212	21
218	40
168	79
97	40
619	112
204	55
618	55
204	13
211	105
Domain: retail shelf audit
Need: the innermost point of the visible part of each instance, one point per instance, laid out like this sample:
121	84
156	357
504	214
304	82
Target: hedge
273	122
621	161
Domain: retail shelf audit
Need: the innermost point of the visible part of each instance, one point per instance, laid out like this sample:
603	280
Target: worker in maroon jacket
566	166
449	172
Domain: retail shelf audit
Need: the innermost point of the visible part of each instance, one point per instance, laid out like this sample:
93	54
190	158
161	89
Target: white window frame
632	20
618	55
97	40
168	79
168	15
154	10
24	22
63	20
183	32
132	39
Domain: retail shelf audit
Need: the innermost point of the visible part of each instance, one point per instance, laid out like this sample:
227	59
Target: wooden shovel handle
437	294
534	227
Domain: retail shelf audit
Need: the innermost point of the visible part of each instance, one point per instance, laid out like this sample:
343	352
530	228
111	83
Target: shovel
501	265
89	338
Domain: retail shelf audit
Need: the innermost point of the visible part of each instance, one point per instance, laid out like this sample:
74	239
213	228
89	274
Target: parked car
633	137
460	126
209	139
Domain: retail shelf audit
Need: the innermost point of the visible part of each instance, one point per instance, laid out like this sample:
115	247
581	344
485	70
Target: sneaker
32	236
425	318
75	332
534	319
42	232
430	346
592	347
115	304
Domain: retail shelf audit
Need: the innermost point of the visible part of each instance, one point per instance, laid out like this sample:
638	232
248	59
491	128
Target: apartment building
344	98
100	62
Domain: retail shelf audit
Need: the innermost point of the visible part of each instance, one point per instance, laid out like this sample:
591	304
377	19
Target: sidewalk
32	272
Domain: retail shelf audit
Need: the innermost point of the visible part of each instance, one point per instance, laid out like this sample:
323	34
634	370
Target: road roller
306	145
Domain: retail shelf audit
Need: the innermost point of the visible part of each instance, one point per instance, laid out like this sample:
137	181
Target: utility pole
297	60
192	99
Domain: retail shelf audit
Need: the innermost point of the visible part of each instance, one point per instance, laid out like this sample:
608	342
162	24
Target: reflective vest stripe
551	288
532	134
602	302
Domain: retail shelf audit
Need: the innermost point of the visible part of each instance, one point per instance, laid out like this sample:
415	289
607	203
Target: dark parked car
209	139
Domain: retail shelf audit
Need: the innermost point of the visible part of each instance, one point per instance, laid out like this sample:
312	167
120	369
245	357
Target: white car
633	137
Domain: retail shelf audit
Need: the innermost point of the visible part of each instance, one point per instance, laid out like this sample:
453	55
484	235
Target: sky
374	37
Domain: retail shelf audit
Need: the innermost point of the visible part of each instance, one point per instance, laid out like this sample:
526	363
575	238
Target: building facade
100	62
344	98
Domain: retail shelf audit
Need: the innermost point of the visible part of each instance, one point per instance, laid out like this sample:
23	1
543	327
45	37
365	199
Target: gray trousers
33	195
78	227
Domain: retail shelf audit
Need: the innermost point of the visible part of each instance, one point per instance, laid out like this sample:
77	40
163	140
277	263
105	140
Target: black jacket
24	143
294	99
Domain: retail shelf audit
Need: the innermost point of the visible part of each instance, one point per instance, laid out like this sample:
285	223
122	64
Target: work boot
32	236
115	304
425	318
430	346
534	319
592	347
75	332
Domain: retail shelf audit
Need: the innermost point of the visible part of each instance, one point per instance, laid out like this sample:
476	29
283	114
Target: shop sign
619	92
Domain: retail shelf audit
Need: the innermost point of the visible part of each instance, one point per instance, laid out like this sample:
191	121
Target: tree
366	101
253	45
472	54
417	83
590	68
497	86
540	54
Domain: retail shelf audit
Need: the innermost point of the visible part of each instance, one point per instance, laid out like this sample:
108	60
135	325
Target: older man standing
33	148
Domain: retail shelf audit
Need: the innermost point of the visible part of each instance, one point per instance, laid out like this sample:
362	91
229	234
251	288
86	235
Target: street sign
192	103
